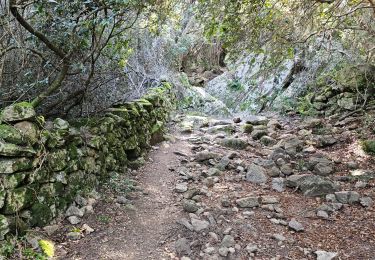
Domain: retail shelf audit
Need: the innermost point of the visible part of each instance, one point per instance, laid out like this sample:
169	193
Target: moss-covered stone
136	164
131	142
4	227
234	143
248	128
2	197
41	215
17	112
11	150
29	131
369	146
87	164
19	198
12	165
17	226
11	181
60	124
11	134
57	161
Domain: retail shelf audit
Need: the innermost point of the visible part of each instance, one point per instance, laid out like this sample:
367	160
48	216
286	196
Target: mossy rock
18	112
12	165
11	181
17	226
41	215
136	164
234	143
57	161
12	150
11	134
29	131
2	197
4	227
248	128
368	146
60	124
19	198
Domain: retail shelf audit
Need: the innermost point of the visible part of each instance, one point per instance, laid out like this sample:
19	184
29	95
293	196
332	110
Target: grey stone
122	200
278	237
228	241
286	169
205	155
88	230
74	211
366	202
224	162
199	225
223	251
213	172
50	230
347	197
278	184
81	201
320	165
326	140
184	222
181	187
257	120
256	174
323	255
295	225
311	185
251	248
322	214
60	124
248	202
73	235
270	200
234	143
182	247
190	206
74	220
258	134
225	202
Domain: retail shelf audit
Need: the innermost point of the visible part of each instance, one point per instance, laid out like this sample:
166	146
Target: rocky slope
251	188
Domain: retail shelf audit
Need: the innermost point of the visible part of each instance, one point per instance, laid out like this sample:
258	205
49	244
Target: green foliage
368	146
235	85
47	247
104	219
305	107
7	248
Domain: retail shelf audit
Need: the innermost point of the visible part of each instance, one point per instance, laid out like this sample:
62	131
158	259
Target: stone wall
45	165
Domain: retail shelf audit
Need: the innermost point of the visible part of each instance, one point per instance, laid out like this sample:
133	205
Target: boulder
311	185
347	197
248	202
17	112
4	227
256	174
234	143
12	165
257	120
320	165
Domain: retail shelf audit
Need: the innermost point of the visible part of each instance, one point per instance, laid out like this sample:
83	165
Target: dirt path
140	232
221	193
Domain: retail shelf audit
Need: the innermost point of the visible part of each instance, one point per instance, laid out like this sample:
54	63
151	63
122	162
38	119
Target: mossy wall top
44	165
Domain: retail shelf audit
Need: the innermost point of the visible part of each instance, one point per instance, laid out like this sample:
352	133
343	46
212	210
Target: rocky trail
251	188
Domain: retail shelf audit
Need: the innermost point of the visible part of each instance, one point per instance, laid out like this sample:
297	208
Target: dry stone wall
45	165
